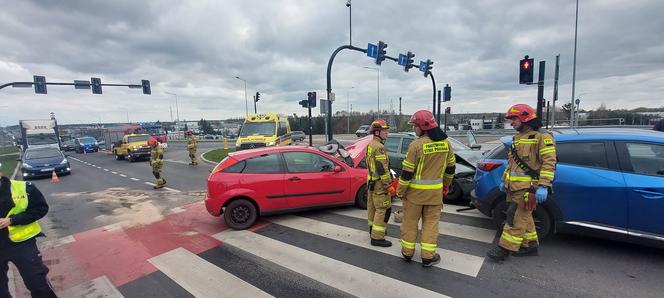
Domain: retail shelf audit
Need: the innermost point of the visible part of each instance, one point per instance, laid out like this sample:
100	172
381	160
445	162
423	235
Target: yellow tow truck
132	147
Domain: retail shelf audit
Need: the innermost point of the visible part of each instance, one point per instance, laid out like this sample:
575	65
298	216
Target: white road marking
446	228
172	189
115	173
202	278
106	170
348	278
450	260
452	209
98	287
135	179
123	175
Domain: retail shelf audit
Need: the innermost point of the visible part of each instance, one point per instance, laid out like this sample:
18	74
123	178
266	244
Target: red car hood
358	149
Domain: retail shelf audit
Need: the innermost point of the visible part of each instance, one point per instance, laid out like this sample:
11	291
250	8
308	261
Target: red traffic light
525	65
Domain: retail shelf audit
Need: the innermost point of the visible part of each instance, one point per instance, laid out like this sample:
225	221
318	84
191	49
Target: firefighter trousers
378	211
519	230
192	156
156	171
430	215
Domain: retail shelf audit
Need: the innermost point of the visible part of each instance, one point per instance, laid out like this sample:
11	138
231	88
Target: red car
251	183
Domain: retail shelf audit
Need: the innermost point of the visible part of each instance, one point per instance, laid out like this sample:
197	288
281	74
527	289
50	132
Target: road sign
403	59
81	84
323	106
372	50
577	101
423	66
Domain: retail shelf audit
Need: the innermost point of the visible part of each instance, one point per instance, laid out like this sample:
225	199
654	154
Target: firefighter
21	206
157	161
192	144
526	181
379	188
427	173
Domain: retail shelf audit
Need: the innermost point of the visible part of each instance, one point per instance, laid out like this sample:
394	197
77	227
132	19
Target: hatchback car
69	145
41	162
86	145
298	136
252	183
362	131
608	183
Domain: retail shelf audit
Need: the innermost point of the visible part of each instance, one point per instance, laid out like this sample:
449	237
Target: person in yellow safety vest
192	144
426	175
527	181
379	188
157	161
21	205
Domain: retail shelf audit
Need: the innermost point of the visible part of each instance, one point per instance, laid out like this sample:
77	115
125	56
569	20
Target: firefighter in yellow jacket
157	161
192	144
379	187
427	173
527	181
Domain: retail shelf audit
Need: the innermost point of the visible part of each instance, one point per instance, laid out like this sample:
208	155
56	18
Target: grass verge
8	164
8	149
217	155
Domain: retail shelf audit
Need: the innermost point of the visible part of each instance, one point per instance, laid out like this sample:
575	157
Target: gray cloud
196	49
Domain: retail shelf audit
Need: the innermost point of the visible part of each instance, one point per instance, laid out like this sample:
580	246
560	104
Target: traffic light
258	96
447	93
448	110
146	87
409	61
381	52
311	97
428	65
304	103
40	84
96	85
526	70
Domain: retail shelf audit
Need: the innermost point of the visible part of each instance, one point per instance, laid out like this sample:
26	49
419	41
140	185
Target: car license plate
47	169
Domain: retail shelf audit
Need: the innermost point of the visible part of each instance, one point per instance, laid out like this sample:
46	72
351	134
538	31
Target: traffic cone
54	178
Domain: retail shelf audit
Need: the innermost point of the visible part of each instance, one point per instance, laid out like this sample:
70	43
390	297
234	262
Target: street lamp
246	105
378	82
576	26
348	103
177	108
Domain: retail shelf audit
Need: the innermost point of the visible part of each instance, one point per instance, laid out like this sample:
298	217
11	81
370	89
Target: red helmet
423	119
378	124
152	142
524	112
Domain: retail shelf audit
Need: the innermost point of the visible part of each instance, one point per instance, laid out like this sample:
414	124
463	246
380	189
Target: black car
297	136
41	162
69	145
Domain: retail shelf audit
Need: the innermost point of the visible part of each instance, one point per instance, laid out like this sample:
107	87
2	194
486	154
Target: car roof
626	134
267	150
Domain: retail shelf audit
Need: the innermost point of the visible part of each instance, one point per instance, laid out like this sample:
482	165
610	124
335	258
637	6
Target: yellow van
261	130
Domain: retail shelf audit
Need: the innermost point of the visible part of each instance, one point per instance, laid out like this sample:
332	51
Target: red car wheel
240	214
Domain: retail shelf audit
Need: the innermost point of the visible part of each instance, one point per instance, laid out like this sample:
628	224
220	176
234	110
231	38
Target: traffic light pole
255	110
329	86
311	140
433	82
438	111
540	90
29	84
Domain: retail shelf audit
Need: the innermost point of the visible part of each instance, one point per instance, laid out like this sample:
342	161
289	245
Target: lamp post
177	108
246	104
576	26
350	23
348	103
378	83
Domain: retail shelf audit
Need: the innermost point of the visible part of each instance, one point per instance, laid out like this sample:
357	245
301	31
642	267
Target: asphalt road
107	233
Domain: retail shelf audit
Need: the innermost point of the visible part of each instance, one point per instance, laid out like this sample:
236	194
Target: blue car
86	145
41	162
609	183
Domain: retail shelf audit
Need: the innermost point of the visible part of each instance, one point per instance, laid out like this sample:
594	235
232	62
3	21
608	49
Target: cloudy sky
281	48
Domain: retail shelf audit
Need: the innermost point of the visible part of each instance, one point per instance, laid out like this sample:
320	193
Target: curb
205	160
18	164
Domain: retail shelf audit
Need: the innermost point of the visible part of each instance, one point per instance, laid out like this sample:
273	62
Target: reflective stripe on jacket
20	233
538	150
378	163
432	164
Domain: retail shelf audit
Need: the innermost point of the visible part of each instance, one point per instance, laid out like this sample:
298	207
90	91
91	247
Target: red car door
311	180
263	179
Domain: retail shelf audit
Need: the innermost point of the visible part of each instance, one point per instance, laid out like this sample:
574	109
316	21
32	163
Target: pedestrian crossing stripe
343	276
450	260
445	228
202	278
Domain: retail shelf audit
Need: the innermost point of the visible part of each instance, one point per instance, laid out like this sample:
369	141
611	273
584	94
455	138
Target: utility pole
540	89
576	26
555	92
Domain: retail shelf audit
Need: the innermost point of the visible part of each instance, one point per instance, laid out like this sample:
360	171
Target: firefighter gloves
541	194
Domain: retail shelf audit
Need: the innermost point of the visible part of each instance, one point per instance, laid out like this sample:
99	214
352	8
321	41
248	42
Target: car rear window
392	144
500	152
582	154
236	168
264	164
